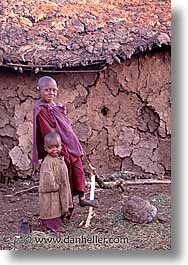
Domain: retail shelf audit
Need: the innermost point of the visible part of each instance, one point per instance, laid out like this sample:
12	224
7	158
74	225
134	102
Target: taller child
47	117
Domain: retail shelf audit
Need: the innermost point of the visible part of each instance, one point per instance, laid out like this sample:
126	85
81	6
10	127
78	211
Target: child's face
49	91
53	148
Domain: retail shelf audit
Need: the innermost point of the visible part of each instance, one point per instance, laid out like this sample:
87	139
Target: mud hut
111	60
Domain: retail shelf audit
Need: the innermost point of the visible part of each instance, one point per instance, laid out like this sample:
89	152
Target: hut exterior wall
122	116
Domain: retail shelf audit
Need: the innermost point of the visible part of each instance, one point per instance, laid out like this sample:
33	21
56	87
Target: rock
19	158
138	210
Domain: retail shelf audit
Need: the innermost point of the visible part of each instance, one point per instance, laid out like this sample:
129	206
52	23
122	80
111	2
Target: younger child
55	199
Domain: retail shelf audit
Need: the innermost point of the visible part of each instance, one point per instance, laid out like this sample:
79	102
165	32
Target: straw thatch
58	34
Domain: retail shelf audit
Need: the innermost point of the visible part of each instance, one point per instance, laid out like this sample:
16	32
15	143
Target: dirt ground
108	230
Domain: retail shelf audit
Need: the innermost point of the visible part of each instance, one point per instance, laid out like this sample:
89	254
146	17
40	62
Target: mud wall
122	116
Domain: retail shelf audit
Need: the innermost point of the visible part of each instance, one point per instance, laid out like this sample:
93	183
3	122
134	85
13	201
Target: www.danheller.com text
94	239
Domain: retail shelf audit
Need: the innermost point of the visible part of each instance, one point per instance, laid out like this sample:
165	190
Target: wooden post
92	196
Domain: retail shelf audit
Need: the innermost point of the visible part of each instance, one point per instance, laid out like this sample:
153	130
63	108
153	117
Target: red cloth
62	126
74	164
55	223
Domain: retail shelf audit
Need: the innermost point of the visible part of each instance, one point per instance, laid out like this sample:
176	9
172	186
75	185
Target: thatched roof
68	33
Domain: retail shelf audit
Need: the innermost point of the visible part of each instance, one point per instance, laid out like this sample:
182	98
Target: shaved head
43	81
52	136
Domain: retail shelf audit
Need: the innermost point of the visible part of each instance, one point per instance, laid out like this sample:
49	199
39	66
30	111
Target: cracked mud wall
17	93
122	116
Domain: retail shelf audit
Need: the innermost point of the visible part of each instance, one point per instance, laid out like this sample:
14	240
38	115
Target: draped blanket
63	127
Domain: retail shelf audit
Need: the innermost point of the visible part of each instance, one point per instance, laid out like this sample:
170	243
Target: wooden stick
92	196
32	66
146	181
21	191
118	183
140	173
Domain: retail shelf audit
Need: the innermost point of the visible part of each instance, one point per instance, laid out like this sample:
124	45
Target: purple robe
63	127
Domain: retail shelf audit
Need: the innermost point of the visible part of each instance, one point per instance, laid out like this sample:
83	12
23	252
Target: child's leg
54	224
78	181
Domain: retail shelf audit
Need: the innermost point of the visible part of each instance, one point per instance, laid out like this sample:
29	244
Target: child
55	199
47	117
